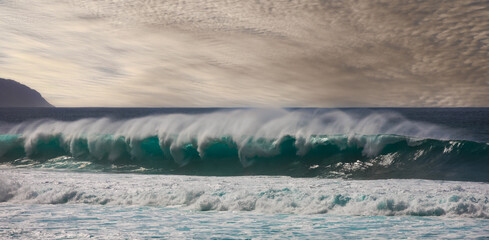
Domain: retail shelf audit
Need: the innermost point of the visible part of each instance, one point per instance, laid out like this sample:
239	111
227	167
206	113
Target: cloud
249	53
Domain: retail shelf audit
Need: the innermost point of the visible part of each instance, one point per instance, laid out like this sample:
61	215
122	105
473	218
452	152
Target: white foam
258	194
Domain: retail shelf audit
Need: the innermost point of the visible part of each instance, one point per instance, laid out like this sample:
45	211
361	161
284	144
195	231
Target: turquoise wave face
350	156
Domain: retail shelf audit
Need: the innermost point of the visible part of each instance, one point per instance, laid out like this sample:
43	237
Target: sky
248	53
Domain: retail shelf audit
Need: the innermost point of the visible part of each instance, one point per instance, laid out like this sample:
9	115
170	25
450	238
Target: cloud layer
249	53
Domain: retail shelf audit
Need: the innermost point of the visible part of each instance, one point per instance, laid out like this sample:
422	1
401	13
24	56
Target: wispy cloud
249	53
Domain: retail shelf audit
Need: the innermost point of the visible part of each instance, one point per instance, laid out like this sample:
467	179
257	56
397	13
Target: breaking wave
250	142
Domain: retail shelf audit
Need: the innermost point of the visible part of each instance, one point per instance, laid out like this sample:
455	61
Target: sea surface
195	173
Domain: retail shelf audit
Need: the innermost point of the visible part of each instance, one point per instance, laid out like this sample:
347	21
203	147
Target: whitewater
244	173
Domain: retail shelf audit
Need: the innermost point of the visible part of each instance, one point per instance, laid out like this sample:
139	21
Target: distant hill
14	94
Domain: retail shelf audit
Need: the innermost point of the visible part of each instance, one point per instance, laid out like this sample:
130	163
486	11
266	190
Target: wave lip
333	144
379	156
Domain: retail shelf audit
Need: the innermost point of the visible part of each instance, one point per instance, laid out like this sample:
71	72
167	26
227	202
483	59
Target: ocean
212	173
